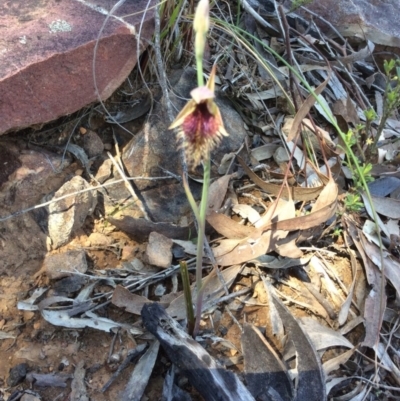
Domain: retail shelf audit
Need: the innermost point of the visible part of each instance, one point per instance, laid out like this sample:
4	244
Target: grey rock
377	21
159	250
92	144
17	374
26	176
155	150
68	215
59	265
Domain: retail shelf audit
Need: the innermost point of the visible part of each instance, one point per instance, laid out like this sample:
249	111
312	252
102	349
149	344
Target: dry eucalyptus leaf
140	376
323	337
305	109
388	207
310	379
246	212
249	248
373	314
337	362
264	371
296	193
188	246
228	227
264	152
217	192
132	303
323	209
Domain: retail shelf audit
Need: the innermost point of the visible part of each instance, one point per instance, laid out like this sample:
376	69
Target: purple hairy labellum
199	123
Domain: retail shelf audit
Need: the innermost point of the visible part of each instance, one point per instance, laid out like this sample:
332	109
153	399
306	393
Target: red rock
46	54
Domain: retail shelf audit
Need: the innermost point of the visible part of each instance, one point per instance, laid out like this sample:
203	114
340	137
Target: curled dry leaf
132	303
270	236
229	228
258	242
323	209
295	193
305	109
373	314
264	371
217	192
310	380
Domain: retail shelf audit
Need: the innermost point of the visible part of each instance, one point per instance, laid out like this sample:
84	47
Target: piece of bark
48	380
140	229
132	355
211	380
141	374
78	387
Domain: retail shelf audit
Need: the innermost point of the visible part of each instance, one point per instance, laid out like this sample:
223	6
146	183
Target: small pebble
115	358
17	374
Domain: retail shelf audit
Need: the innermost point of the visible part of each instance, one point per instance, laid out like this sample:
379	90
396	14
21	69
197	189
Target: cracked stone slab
375	20
66	216
154	150
46	55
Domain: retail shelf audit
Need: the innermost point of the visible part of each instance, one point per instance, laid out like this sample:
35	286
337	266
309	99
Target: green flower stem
200	242
199	65
190	198
188	296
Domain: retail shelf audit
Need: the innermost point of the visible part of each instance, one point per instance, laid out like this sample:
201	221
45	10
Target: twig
110	352
132	354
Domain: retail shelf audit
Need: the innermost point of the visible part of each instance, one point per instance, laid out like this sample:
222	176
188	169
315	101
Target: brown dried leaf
132	303
250	248
225	246
264	371
263	241
323	209
228	227
296	193
279	209
258	243
372	309
346	109
217	192
305	109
